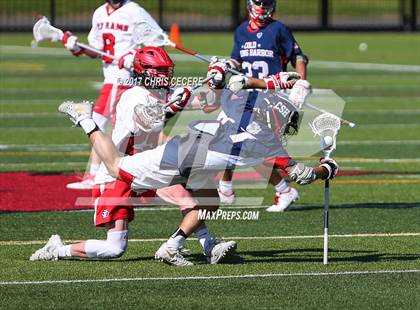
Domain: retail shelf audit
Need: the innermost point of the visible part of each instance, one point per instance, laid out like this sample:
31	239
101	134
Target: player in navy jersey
263	48
194	159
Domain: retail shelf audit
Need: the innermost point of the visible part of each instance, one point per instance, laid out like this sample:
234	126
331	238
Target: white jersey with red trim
126	135
112	32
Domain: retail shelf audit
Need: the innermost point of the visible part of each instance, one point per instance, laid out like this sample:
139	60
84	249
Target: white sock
176	241
206	240
282	187
88	125
64	251
226	186
94	169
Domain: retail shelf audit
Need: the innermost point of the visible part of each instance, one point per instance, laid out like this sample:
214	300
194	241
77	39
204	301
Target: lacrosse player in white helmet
263	47
139	121
113	32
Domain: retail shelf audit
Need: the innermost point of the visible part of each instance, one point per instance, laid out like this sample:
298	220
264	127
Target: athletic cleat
220	250
283	201
184	252
42	254
164	254
226	198
76	111
49	251
87	183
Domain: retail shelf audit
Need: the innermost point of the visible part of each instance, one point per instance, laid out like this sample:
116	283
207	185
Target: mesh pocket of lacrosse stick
326	125
43	30
148	35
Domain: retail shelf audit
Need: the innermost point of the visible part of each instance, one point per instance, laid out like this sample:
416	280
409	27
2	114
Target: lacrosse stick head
326	126
148	35
44	31
149	117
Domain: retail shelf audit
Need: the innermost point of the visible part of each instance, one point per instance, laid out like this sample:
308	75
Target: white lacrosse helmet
149	117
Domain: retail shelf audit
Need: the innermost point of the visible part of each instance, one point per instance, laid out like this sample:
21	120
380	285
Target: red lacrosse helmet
261	11
154	66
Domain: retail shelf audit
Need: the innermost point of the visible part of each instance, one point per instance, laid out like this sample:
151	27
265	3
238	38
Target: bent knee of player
112	252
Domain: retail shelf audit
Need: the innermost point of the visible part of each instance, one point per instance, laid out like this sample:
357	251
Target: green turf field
375	219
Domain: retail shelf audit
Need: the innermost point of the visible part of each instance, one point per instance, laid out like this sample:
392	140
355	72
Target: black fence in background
224	15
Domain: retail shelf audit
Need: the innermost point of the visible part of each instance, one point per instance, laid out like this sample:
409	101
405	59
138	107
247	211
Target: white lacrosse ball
328	141
363	47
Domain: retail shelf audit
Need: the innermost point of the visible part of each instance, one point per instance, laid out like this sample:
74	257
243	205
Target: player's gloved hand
207	99
301	174
237	83
70	42
331	166
217	70
182	94
281	80
299	92
127	60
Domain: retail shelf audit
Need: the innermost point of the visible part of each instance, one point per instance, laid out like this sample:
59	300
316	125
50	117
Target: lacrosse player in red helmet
138	124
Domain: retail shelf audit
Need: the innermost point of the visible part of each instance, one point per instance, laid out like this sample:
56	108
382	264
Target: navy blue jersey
265	51
261	52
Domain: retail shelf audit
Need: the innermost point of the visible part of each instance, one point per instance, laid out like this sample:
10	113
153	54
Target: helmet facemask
261	11
149	117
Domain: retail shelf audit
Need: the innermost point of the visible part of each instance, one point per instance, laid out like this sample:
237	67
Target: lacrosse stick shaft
199	56
94	50
326	219
343	121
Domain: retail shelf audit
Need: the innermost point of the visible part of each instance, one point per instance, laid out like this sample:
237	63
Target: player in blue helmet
263	48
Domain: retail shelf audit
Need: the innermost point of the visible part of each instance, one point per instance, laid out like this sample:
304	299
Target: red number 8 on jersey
109	42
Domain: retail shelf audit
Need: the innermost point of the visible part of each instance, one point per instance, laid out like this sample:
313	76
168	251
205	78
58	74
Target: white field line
44	51
347	99
372	126
49	164
373	235
30	114
384	111
364	142
364	66
227	277
84	147
377	126
73	147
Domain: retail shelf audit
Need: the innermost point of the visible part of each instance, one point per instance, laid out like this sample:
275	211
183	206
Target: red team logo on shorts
105	213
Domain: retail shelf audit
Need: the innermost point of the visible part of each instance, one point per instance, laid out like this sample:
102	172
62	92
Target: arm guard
298	58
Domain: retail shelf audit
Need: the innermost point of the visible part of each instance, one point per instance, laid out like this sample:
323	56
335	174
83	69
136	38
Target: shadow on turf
195	258
362	206
281	256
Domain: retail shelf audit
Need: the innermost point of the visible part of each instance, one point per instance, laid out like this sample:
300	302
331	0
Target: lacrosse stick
326	126
148	35
194	88
342	121
43	30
